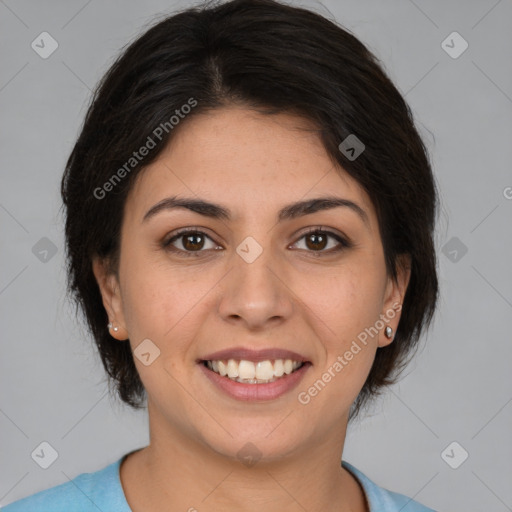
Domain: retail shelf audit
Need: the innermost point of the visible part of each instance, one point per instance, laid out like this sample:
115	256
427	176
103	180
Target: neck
175	473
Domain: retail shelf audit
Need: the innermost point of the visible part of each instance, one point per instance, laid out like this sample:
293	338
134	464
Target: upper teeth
249	371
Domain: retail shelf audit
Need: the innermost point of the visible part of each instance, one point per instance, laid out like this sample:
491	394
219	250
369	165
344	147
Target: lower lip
256	392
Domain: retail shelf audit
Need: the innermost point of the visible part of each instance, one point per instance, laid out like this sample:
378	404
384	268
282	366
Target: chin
253	440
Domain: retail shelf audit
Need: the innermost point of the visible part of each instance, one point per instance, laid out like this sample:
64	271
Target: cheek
161	299
146	294
346	304
347	301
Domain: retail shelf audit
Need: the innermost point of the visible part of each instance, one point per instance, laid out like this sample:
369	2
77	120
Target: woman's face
250	281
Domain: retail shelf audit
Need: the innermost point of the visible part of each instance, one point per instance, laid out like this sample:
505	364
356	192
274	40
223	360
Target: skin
253	164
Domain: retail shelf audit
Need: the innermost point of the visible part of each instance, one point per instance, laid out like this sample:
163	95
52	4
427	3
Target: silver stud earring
110	327
389	332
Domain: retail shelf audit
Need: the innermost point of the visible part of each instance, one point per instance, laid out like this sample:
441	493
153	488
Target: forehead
249	160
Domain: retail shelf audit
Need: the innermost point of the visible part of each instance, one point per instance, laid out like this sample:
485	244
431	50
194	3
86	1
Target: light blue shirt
102	491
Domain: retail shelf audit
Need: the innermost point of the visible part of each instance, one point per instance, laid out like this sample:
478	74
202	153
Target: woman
249	222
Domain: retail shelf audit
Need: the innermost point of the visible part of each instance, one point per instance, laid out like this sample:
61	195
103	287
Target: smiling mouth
249	372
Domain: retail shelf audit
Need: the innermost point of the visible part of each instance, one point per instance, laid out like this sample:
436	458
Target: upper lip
239	353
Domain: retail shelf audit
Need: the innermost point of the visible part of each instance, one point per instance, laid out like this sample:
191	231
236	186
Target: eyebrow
288	212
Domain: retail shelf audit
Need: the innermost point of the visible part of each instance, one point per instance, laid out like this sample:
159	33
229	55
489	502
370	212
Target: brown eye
316	241
193	241
189	243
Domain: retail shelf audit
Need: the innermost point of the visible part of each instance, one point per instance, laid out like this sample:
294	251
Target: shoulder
87	492
382	500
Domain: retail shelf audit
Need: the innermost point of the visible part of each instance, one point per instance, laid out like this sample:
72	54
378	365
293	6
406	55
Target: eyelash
343	242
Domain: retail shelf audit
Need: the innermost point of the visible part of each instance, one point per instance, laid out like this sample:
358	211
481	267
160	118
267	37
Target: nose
257	294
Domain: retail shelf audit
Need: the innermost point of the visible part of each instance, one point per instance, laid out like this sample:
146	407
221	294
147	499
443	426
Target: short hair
274	58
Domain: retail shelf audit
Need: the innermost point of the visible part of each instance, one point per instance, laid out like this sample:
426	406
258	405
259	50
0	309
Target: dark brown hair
272	57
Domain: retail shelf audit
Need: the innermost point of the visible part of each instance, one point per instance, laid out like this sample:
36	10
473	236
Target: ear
394	298
111	295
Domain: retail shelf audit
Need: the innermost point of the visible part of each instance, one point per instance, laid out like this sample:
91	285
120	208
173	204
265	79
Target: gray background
457	389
